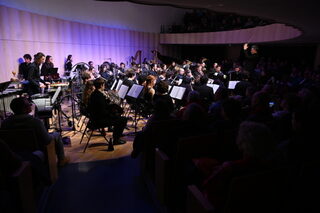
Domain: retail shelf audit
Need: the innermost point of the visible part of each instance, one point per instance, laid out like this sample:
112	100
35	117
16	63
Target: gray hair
255	140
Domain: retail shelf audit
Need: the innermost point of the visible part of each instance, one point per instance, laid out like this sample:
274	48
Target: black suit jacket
99	107
23	70
45	69
34	78
251	61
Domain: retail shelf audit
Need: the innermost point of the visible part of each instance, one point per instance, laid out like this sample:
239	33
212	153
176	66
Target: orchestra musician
35	82
237	74
23	67
45	69
104	113
68	65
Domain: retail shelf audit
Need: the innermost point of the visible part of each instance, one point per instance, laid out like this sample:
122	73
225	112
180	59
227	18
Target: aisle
100	186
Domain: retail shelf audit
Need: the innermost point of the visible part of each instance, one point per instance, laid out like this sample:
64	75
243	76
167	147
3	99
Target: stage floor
97	149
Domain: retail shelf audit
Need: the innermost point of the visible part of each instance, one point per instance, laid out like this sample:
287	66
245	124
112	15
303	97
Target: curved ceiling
301	14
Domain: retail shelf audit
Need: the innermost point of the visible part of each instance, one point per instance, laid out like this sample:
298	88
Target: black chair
92	126
83	113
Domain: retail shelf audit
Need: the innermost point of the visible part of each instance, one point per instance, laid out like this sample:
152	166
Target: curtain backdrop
23	32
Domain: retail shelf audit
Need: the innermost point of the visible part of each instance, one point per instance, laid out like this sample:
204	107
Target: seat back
205	145
196	202
265	191
25	140
20	140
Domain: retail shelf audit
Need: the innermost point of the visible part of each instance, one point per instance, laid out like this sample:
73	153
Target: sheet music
119	84
114	85
214	87
135	91
210	81
232	84
55	96
123	91
177	92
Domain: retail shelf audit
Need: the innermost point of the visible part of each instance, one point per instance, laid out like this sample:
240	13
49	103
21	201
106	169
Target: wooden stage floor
97	149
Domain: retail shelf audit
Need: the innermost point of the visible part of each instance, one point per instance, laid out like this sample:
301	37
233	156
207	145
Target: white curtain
23	32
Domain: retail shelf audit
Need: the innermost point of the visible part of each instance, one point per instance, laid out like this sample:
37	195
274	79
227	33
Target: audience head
194	112
161	107
255	140
193	96
260	101
290	102
231	109
21	106
221	93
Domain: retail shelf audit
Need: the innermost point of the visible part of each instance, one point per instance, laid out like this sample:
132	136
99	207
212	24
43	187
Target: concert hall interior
159	106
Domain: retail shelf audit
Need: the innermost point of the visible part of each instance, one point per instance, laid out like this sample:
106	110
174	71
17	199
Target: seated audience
9	161
21	119
257	145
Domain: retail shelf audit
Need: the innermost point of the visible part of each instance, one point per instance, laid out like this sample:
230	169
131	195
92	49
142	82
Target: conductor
251	59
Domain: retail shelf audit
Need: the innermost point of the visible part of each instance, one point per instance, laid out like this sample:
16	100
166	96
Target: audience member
21	119
257	145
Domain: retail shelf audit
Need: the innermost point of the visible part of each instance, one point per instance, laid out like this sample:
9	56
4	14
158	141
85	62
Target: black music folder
53	71
4	85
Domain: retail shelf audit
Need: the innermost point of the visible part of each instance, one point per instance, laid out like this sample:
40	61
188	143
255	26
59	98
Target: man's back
98	106
26	121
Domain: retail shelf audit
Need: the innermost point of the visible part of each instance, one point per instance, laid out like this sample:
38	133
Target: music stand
3	87
214	87
134	93
123	91
232	84
177	92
